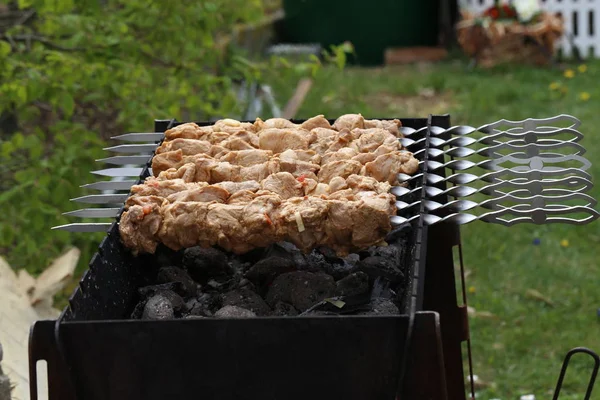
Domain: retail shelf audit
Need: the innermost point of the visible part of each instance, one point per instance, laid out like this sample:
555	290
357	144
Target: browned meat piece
308	185
349	121
344	194
359	183
291	162
154	187
232	126
343	168
280	140
184	225
316	122
372	218
137	200
345	153
187	146
224	171
246	158
259	222
139	226
392	126
386	167
234	187
164	161
337	183
217	151
205	194
371	139
186	173
236	144
321	138
278	123
260	171
302	220
242	197
226	221
284	184
322	189
342	139
241	140
217	137
187	131
364	158
338	225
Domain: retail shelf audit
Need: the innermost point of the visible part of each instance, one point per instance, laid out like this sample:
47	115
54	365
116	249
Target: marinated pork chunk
228	125
342	168
277	123
316	122
349	121
283	184
139	227
188	130
205	194
386	167
392	126
187	146
246	158
279	140
371	139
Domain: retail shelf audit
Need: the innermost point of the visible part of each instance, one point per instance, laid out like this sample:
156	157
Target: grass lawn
520	340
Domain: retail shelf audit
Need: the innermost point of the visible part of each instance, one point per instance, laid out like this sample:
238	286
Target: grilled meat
241	185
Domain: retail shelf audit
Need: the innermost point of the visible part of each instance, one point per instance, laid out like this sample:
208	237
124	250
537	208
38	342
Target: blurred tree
75	72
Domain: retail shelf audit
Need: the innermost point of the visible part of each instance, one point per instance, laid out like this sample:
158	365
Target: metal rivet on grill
538	216
536	163
530	137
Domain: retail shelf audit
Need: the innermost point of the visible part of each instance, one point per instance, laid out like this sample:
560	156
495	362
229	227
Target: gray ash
276	281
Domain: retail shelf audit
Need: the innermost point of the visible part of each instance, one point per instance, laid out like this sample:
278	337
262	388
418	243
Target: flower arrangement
517	30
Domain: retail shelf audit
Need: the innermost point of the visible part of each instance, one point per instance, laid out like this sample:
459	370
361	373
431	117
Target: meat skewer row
230	126
282	184
382	164
349	222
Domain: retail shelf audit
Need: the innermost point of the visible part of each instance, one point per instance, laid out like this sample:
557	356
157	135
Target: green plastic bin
371	26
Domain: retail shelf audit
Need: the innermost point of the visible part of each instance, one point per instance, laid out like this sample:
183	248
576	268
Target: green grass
521	350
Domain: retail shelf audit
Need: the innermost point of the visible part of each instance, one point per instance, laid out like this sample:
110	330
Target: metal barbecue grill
529	170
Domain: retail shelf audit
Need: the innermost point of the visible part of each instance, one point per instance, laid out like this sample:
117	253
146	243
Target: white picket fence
582	21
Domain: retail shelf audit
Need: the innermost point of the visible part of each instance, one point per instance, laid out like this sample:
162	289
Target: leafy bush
75	72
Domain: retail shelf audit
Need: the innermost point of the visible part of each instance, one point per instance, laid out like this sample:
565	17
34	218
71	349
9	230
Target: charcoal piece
246	284
203	305
288	251
301	289
342	267
393	253
234	312
158	307
400	236
264	272
316	262
352	285
138	310
282	309
176	300
246	299
174	274
381	306
205	263
165	257
376	266
381	288
149	291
